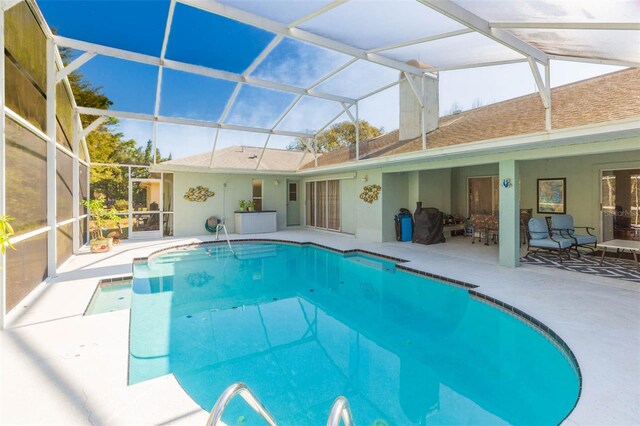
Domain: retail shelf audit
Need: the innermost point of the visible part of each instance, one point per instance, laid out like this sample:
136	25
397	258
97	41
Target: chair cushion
585	239
562	221
551	244
538	229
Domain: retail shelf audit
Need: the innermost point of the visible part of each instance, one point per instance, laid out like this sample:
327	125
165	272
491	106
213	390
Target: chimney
410	109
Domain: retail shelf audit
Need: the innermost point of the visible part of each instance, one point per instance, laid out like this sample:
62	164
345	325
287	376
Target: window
257	194
323	204
483	195
293	191
609	192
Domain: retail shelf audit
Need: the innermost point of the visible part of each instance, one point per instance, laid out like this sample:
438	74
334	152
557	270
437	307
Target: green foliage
339	135
106	144
247	205
121	205
6	231
100	214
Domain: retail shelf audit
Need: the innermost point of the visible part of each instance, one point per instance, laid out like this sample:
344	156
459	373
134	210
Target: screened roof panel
183	141
257	107
283	11
603	44
382	109
373	24
297	63
202	38
187	95
309	115
359	79
466	49
115	77
131	25
554	11
228	138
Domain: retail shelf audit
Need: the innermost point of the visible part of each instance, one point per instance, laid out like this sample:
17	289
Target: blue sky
209	40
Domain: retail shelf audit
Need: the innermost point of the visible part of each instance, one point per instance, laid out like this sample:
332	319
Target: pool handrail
340	411
229	393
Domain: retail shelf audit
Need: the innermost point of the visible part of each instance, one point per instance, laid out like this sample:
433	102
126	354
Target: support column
357	123
3	261
547	83
509	213
51	157
75	145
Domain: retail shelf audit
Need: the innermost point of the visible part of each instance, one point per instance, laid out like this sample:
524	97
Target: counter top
262	211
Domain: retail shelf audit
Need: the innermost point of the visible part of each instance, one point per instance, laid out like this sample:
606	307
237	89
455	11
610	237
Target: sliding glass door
323	204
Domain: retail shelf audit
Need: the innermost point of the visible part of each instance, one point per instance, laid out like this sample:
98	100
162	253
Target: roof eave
610	130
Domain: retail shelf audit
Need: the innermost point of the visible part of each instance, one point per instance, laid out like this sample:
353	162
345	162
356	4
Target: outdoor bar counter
255	222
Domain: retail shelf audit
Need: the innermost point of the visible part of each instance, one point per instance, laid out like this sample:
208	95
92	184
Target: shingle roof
245	157
605	98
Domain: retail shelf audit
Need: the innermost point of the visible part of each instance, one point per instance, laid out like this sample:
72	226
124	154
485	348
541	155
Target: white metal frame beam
568	25
194	69
163	51
421	40
542	88
595	61
315	13
465	17
3	261
77	63
186	122
480	65
299	98
232	99
217	8
51	157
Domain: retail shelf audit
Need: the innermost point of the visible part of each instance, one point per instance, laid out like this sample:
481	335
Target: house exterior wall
441	184
190	216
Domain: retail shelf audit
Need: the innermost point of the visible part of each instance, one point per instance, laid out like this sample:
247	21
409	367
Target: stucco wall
190	216
395	197
583	182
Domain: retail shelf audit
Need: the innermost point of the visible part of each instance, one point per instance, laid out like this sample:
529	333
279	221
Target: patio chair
562	225
539	238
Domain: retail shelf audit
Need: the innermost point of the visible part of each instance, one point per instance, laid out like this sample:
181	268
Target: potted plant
6	231
246	205
100	215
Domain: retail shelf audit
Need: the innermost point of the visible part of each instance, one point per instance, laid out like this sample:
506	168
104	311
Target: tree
106	144
455	108
339	135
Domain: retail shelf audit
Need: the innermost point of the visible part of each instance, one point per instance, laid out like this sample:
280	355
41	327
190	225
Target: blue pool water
302	325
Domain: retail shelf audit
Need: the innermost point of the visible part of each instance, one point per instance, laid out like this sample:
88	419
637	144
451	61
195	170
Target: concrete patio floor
60	367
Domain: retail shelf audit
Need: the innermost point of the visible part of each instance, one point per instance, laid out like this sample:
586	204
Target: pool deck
60	367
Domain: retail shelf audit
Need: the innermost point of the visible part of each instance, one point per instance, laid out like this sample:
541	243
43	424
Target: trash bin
404	225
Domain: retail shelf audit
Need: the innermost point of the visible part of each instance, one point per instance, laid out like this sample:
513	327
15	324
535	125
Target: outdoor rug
611	267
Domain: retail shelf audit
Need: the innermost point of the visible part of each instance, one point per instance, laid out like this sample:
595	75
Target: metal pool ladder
339	410
229	393
223	227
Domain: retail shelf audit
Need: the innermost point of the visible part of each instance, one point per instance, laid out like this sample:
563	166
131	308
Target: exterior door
293	206
145	199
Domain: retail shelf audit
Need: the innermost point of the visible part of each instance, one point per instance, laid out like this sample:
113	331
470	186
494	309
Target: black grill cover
429	223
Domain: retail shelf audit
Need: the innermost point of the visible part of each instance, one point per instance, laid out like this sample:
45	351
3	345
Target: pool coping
519	314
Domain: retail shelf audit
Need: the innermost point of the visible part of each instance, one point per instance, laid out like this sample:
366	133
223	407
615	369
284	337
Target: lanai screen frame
496	31
56	72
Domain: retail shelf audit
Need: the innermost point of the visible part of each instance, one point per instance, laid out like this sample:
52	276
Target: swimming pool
301	325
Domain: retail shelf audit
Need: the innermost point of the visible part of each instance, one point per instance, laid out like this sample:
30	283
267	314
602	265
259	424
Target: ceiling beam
217	8
187	122
615	62
422	40
315	13
77	63
194	69
463	16
567	25
480	65
542	88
